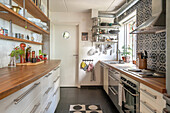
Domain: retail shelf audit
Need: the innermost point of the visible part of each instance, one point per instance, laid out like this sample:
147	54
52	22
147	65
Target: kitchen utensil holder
142	63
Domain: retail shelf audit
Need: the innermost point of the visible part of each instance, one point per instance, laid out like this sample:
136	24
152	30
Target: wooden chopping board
29	63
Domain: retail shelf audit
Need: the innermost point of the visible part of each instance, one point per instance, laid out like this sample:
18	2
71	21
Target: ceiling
84	5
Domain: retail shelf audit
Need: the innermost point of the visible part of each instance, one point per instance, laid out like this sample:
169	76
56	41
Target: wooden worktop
14	79
158	84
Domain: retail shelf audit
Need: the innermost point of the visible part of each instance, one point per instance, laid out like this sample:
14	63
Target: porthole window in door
66	35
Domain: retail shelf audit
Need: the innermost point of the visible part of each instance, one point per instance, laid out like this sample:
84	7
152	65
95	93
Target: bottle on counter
33	57
28	54
22	57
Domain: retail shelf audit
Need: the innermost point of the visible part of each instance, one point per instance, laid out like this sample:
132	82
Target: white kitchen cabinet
151	100
18	101
43	94
105	79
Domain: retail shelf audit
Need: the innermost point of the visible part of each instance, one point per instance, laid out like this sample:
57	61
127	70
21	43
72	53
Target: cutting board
29	63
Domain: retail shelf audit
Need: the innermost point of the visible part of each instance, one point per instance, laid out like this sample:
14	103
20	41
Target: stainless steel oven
131	104
114	81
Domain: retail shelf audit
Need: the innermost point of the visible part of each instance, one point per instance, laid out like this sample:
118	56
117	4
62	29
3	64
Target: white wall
85	25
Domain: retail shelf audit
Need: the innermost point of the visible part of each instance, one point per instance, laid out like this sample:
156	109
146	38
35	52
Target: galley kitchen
84	56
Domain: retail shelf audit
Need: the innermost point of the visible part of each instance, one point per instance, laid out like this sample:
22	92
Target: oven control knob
133	85
124	79
128	82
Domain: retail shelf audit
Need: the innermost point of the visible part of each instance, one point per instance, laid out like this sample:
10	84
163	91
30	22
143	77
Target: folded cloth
121	97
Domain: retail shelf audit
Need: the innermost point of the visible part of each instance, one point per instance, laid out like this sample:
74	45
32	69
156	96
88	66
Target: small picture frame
84	36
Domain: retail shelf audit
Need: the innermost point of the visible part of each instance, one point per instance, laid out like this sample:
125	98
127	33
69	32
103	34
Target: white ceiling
84	5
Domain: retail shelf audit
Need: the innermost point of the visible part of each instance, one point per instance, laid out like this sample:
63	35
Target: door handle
75	55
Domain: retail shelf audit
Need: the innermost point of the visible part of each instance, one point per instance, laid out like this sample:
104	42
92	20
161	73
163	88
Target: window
127	43
66	35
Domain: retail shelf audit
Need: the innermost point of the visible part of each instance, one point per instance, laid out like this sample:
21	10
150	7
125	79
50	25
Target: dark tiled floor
71	96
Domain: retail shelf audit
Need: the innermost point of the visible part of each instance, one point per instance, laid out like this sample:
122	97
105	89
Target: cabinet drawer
144	108
21	99
35	106
56	71
56	83
47	107
46	93
47	81
153	96
56	98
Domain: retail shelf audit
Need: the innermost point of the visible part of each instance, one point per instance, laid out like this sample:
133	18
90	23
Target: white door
67	51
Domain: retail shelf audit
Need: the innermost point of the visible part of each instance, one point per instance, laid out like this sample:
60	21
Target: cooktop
146	73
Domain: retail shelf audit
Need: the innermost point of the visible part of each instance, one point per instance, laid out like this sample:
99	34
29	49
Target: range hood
157	23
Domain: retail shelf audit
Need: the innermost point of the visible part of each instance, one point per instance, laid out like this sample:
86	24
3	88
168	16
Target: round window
66	35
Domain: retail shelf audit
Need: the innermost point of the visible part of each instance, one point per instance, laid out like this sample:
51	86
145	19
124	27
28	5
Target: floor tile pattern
78	108
85	96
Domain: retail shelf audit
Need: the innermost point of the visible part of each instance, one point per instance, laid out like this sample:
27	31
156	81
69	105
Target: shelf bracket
10	28
24	8
10	2
48	8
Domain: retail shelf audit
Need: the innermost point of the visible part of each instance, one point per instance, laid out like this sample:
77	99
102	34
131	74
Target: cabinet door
105	80
151	100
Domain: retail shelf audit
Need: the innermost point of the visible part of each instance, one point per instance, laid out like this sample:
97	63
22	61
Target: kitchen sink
114	62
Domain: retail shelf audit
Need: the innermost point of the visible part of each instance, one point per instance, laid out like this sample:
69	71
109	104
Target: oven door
131	103
113	88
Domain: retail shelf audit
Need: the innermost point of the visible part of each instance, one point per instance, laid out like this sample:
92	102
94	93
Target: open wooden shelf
20	20
19	40
33	9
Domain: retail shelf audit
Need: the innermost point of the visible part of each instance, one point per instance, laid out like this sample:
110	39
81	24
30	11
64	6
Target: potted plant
16	52
126	53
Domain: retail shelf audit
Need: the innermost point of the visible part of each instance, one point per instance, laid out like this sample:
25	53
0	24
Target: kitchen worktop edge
158	84
14	79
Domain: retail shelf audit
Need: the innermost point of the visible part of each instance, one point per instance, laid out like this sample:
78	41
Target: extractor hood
157	23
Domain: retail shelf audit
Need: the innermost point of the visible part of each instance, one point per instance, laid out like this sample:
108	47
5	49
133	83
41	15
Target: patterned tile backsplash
154	44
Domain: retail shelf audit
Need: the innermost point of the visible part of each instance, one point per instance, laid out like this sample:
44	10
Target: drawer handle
153	96
48	90
135	95
56	79
165	110
48	75
115	79
112	91
56	68
55	92
117	73
48	106
16	101
102	65
148	106
35	108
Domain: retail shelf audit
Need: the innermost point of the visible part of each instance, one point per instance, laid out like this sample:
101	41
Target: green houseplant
126	53
15	54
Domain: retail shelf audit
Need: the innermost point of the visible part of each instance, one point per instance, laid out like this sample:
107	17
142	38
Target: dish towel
90	67
121	97
83	64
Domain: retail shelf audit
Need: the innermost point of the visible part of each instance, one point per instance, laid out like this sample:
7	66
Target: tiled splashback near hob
154	44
